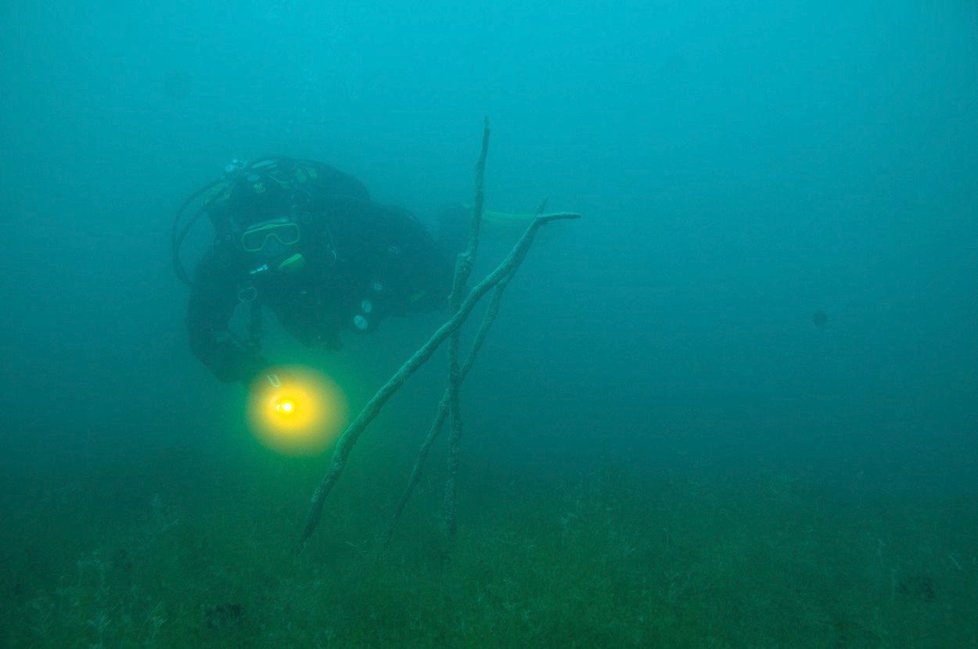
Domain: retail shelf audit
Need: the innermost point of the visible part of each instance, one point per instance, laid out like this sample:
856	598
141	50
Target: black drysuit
362	262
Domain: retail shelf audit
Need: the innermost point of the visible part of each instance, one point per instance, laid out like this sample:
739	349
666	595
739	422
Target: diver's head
254	194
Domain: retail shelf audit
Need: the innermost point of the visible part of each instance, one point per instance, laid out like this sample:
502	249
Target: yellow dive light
285	407
296	411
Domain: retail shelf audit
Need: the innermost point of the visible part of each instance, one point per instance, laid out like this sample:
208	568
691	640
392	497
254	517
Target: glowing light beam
295	410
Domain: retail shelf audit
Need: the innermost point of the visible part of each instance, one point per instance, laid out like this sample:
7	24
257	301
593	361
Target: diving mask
272	234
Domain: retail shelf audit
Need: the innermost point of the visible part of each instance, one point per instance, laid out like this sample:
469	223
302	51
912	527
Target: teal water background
662	445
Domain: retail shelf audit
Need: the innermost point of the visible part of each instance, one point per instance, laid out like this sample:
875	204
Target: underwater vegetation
692	558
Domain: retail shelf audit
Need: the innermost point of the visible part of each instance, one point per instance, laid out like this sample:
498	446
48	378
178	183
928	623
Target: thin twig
348	439
442	412
436	425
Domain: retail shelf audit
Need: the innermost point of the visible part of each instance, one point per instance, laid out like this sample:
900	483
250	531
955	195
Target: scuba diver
305	240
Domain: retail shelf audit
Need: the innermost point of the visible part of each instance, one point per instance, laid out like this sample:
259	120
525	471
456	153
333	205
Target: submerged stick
463	268
348	439
442	412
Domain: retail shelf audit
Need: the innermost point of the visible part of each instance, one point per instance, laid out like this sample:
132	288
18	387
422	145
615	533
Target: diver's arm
213	299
